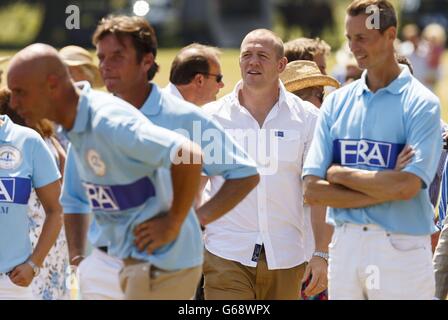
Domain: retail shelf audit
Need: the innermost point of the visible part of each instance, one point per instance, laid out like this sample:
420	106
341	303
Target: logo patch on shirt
96	163
10	157
15	190
366	152
101	198
280	134
112	198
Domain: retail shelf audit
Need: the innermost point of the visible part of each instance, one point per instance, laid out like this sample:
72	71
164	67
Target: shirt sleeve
424	136
320	154
313	116
73	198
223	156
45	170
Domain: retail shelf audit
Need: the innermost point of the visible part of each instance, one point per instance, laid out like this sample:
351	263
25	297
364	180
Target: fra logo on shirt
366	152
7	188
101	198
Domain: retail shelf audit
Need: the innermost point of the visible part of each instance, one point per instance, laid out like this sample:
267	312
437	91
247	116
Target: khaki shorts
143	281
230	280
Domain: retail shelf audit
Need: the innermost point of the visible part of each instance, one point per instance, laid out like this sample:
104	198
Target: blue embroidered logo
15	190
111	198
7	188
279	134
101	197
366	152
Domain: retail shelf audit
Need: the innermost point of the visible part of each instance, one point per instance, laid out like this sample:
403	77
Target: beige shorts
143	281
230	280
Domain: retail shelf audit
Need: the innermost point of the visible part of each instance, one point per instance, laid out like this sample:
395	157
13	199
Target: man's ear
53	82
148	61
199	79
282	64
391	33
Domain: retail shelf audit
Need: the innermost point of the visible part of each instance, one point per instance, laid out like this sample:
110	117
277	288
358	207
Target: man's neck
259	102
381	76
188	94
137	95
71	100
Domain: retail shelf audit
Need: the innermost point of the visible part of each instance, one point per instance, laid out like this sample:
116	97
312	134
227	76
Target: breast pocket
290	146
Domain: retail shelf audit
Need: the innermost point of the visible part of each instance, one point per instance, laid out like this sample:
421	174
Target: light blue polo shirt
365	130
116	153
172	113
25	163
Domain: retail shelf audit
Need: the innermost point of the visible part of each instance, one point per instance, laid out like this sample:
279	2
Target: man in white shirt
256	251
195	74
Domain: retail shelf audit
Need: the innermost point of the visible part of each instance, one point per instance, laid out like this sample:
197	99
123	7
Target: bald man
195	74
116	154
256	251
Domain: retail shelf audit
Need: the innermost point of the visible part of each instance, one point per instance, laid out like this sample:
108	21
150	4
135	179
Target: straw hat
303	74
75	56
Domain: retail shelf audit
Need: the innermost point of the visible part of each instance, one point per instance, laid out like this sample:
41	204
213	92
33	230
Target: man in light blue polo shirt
381	246
25	163
118	152
129	79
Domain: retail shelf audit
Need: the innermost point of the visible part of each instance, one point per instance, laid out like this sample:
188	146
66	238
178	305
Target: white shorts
10	291
366	262
99	277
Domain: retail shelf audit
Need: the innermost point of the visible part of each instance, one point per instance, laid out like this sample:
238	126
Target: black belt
104	249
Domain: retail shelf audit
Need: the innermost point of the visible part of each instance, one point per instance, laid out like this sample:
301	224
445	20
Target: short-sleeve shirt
365	130
117	152
26	163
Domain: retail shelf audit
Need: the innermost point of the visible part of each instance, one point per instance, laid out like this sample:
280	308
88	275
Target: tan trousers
230	280
143	281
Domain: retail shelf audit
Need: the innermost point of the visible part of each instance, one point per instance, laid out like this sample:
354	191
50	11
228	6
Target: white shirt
272	214
172	89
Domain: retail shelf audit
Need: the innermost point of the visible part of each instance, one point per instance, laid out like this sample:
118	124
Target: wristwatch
35	268
322	255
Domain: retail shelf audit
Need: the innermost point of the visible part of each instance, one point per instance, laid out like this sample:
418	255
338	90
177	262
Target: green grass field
231	72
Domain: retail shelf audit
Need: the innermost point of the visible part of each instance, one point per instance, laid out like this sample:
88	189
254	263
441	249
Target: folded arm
388	185
323	193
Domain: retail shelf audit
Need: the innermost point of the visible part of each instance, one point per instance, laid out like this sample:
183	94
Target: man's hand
404	158
22	275
155	233
332	171
317	268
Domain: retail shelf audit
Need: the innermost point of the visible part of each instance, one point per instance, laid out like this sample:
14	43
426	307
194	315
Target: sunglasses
218	77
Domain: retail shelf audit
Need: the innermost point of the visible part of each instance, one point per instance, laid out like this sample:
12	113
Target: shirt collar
282	98
172	89
6	129
153	103
82	113
396	87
